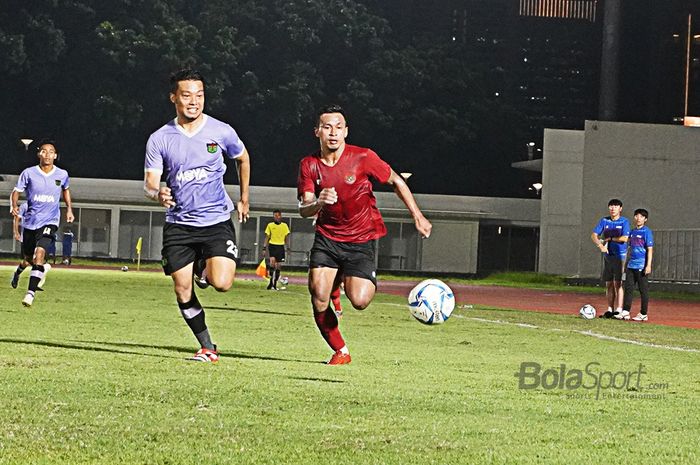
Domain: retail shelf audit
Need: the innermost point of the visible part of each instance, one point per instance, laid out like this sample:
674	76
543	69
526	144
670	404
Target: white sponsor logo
192	175
43	198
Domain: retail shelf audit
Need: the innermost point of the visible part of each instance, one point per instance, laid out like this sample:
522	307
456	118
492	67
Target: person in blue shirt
639	256
610	237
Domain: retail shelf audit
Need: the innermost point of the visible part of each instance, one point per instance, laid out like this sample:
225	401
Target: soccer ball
125	268
284	280
431	302
587	312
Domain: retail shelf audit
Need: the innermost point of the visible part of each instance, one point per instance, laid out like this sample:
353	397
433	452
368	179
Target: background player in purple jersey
639	257
610	236
189	151
44	185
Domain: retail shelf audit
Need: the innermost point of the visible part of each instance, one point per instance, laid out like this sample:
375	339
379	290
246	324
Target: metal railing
676	255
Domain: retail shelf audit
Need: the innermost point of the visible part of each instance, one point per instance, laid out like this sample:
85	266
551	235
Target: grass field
97	372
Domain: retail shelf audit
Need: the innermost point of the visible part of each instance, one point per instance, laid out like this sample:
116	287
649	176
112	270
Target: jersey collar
205	118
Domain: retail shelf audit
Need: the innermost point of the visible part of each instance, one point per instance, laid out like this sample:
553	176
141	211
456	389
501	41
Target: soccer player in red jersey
336	184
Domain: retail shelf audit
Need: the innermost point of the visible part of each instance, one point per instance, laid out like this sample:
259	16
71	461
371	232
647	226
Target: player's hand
17	236
647	270
327	196
69	216
243	209
14	211
423	226
165	197
604	248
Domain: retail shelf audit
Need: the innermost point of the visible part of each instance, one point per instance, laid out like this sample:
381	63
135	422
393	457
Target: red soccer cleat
339	358
206	355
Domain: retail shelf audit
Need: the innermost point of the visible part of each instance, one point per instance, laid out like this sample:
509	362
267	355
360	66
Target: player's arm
404	193
602	246
15	227
650	256
69	206
14	207
153	190
243	168
309	205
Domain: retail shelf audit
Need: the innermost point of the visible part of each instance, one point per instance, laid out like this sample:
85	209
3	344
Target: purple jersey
43	192
194	169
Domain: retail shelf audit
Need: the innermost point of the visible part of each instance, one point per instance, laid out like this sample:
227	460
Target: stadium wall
112	214
646	166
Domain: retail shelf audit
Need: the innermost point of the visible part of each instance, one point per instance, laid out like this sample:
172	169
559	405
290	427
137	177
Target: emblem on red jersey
212	147
350	178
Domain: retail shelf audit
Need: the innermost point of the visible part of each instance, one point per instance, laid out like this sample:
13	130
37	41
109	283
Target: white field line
584	333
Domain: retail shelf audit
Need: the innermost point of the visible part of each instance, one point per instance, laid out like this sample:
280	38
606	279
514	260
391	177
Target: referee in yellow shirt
276	242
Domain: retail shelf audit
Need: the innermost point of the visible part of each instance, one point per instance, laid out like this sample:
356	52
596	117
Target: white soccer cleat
623	315
28	300
47	268
641	317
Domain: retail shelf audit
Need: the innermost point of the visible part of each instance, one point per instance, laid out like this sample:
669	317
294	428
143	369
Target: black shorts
276	251
44	237
183	244
350	258
612	269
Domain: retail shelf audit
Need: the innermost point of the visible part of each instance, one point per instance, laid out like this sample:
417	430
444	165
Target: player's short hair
332	108
643	212
185	74
615	202
46	141
276	211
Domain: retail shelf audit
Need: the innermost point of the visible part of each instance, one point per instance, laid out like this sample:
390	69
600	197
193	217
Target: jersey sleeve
22	181
66	182
154	157
305	180
233	145
376	167
598	229
649	238
268	230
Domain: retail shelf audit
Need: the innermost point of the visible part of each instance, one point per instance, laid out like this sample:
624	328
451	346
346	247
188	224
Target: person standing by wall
610	237
640	255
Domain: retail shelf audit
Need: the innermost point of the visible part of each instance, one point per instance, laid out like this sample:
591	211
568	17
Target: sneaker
28	300
339	358
269	286
623	315
206	355
15	281
199	266
47	268
641	317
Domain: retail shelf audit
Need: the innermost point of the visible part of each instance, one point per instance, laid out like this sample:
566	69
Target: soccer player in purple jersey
189	151
44	185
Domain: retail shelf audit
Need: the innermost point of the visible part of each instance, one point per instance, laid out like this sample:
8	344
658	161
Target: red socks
335	298
327	324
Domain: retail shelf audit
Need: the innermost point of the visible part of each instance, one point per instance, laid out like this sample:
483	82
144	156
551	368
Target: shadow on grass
64	345
85	345
247	310
323	380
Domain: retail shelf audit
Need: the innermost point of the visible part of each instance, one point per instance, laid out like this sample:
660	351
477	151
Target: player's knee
360	305
221	285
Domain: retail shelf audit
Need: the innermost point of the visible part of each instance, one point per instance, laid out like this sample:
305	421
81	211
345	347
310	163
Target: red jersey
355	216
